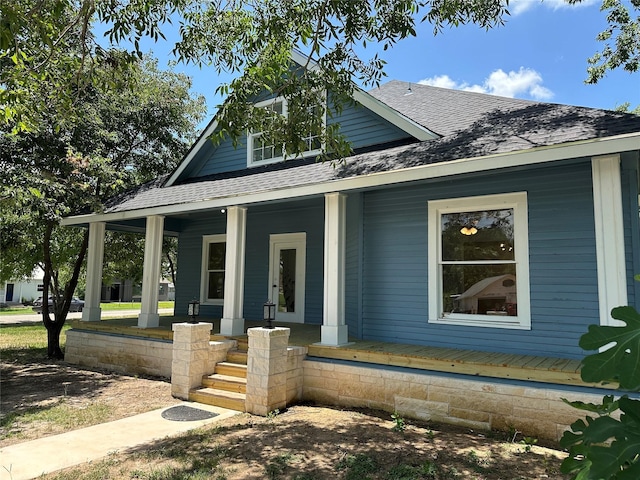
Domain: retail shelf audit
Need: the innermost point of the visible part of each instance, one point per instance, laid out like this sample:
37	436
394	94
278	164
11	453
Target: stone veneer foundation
119	353
534	409
279	375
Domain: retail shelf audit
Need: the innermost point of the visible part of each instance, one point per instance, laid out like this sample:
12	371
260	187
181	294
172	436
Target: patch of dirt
32	389
304	442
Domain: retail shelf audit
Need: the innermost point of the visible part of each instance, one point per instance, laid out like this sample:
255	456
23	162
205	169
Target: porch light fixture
269	313
194	310
468	230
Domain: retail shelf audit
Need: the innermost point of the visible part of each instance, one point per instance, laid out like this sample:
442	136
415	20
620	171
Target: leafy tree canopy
252	38
95	130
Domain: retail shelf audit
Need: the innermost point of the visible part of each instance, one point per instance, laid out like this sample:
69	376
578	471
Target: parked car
76	304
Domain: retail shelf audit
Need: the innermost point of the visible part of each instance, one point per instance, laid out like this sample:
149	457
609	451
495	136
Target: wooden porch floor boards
477	363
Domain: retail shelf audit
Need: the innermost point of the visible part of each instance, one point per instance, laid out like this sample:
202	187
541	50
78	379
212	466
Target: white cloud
517	7
525	82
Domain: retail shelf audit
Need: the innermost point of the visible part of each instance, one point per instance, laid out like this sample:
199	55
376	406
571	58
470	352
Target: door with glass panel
287	275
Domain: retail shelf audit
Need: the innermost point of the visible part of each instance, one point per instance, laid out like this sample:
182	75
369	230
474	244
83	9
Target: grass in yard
131	305
25	337
21	310
63	415
26	343
18	310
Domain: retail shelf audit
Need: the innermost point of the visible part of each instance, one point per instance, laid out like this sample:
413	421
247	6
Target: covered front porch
436	359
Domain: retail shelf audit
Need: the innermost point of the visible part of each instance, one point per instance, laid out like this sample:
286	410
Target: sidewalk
31	459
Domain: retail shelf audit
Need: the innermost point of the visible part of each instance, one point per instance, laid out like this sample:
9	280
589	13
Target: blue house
462	221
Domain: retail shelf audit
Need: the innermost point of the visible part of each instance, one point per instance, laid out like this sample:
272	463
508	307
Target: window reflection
478	262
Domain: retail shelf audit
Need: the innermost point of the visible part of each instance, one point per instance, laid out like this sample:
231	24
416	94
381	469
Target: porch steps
237	356
231	369
226	387
218	398
227	383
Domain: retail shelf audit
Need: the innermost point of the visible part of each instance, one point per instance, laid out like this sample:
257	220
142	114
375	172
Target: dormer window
262	152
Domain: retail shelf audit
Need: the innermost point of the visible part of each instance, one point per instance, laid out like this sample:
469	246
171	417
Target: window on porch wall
213	269
479	248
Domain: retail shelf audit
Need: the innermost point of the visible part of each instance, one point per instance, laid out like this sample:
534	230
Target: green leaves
605	447
592	457
620	363
621	41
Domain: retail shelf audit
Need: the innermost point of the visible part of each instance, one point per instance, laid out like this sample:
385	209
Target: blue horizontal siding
305	216
190	261
562	263
361	127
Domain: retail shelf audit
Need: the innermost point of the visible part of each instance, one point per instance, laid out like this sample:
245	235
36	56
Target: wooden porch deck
497	365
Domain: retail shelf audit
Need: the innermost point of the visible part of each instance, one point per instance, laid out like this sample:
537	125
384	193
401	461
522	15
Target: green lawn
105	306
131	305
16	311
31	337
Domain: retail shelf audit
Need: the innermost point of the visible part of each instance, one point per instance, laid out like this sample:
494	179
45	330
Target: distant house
22	290
462	220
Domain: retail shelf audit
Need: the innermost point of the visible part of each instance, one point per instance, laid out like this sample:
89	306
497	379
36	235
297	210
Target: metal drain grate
183	413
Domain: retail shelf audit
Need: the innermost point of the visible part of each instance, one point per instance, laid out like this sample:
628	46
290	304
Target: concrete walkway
31	459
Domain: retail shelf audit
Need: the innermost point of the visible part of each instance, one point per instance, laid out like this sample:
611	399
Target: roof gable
195	157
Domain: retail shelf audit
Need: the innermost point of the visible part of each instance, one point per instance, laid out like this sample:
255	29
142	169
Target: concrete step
231	369
237	356
225	382
218	398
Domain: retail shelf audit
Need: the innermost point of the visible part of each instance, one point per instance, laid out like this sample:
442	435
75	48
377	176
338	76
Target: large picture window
214	249
479	271
262	152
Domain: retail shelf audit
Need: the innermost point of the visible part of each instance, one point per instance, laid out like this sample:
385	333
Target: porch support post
232	322
334	330
95	257
607	206
149	317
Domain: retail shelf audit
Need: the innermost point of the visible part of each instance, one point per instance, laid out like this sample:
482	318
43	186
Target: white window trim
206	240
517	201
252	136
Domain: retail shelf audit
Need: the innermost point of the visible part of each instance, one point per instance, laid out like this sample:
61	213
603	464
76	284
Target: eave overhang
533	156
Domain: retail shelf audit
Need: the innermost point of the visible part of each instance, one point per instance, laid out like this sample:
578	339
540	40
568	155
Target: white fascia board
534	156
393	116
194	149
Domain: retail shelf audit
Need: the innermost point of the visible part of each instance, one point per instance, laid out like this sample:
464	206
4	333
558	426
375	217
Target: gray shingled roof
470	124
442	110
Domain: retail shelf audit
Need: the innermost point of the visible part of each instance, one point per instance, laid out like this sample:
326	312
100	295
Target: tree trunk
61	303
53	340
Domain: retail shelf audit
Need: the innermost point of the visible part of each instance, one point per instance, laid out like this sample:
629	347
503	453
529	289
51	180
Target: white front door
286	275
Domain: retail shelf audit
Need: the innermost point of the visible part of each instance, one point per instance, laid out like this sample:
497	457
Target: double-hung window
262	152
214	248
479	261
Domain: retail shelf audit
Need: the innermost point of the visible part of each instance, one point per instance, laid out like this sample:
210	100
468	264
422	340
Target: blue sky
540	54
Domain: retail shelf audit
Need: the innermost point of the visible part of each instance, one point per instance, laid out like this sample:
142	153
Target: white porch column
151	272
334	330
95	257
232	322
607	205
